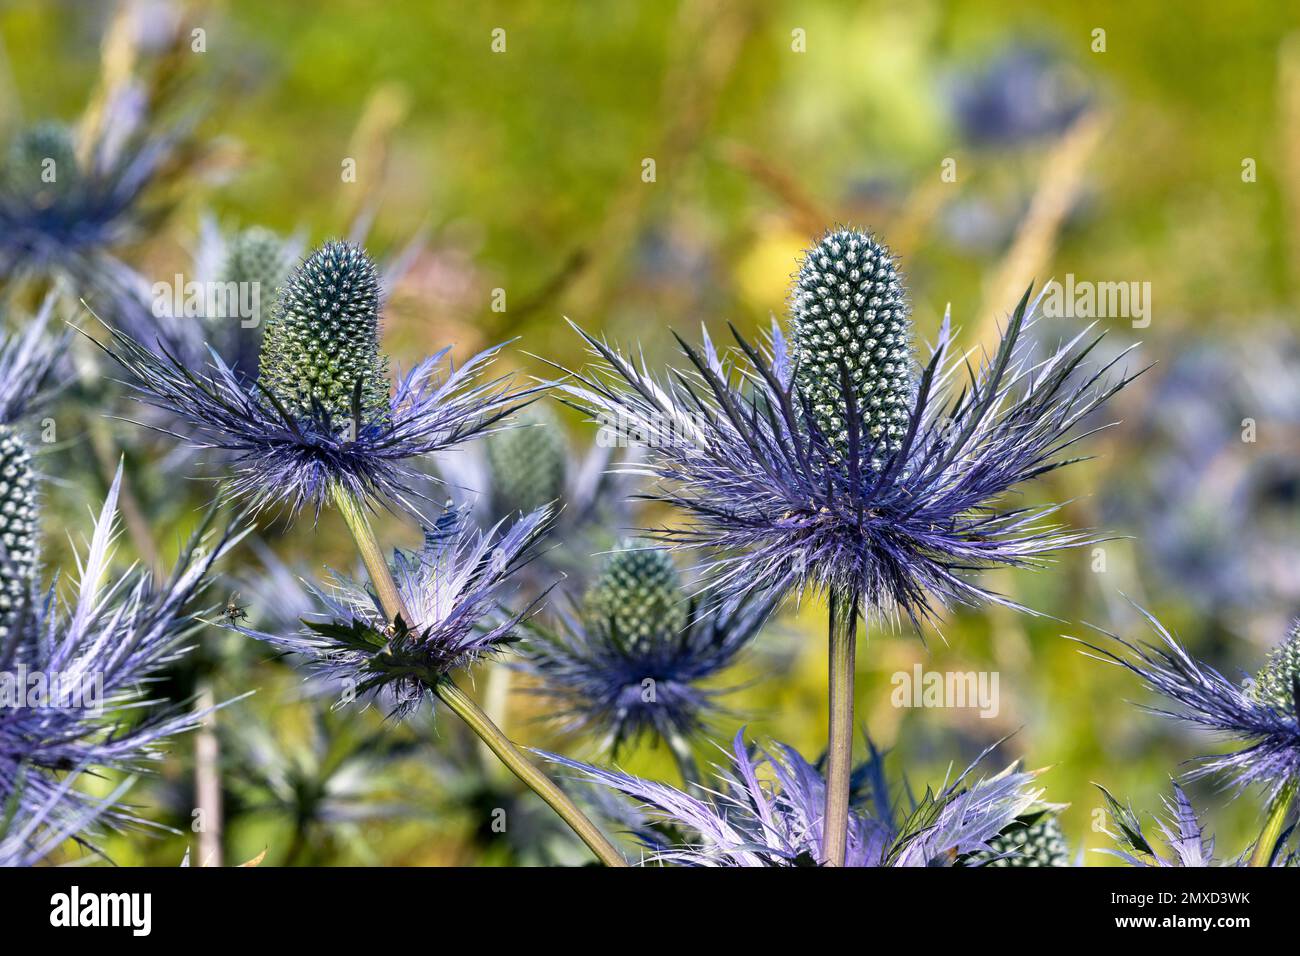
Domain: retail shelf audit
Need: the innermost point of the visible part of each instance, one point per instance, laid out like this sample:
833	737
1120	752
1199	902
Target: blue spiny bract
320	350
850	322
19	529
638	594
529	464
1278	681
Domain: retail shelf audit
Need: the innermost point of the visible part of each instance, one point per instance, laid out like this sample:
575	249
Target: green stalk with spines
852	345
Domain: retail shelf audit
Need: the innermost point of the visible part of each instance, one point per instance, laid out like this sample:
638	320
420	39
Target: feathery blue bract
282	458
26	360
455	587
1204	697
595	676
767	811
123	633
735	446
1183	834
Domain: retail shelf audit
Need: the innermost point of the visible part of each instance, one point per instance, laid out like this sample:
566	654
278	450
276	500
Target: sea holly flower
766	810
91	659
1259	715
835	464
319	422
453	588
1033	840
633	660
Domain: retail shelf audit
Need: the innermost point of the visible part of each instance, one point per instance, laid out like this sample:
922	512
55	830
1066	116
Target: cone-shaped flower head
529	463
852	338
639	593
1278	682
42	159
1037	842
320	349
19	530
258	258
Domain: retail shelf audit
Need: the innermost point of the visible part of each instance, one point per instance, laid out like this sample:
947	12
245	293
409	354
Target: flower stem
527	771
465	708
839	749
1277	814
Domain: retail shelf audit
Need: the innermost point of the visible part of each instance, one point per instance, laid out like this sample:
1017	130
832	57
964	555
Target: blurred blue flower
1022	94
604	674
767	811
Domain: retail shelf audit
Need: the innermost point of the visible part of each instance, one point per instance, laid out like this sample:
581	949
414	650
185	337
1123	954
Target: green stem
465	708
527	771
1277	814
839	749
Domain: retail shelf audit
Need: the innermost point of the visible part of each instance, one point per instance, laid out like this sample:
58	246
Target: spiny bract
639	594
529	464
851	320
1277	681
18	529
321	344
1041	843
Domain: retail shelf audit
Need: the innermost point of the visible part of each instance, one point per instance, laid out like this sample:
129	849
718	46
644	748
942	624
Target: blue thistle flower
319	420
106	646
822	465
632	662
767	811
1261	715
1021	95
61	218
454	588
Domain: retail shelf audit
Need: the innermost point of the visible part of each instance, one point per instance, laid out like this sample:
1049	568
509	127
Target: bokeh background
1164	150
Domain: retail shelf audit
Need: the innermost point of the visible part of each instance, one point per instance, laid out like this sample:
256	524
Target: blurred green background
1170	157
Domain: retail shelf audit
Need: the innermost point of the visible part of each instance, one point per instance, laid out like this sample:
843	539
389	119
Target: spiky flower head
529	464
42	159
638	594
1034	842
1260	717
19	530
852	342
454	587
782	482
1278	682
766	810
319	420
320	348
634	659
259	258
101	653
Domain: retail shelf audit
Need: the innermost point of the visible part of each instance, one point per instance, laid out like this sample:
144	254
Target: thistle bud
321	342
19	529
850	321
1278	683
28	165
638	593
1039	844
529	463
257	257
